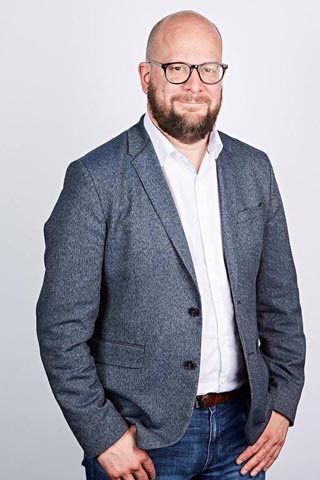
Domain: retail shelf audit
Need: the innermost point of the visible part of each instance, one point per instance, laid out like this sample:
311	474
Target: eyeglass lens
179	72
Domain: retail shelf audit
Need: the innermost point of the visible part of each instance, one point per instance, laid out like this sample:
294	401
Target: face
188	111
189	124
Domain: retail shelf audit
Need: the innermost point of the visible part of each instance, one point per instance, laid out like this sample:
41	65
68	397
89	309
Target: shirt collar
163	147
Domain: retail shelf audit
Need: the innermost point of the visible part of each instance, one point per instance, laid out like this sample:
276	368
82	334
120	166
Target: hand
124	458
264	452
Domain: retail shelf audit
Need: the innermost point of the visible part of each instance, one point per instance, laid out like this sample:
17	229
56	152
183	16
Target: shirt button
193	312
189	365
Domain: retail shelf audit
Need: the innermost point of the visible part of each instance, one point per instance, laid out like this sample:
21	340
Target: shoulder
114	156
107	154
235	146
107	163
244	156
105	169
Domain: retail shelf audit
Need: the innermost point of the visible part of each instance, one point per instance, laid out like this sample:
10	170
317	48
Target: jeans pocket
87	464
98	471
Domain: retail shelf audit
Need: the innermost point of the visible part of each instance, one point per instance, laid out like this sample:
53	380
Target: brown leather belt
211	399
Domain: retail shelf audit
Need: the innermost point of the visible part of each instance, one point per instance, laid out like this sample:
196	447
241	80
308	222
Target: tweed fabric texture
113	319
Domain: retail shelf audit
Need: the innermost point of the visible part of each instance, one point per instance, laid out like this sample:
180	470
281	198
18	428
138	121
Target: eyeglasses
180	72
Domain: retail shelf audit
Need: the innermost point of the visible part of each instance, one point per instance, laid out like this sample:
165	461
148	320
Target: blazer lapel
148	168
227	198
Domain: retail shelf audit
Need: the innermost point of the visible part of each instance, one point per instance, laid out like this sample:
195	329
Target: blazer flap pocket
250	212
117	353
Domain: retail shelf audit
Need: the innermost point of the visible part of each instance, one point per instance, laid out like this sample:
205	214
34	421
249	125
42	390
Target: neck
194	152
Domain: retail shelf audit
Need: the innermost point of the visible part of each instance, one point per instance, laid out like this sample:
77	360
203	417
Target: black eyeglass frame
164	66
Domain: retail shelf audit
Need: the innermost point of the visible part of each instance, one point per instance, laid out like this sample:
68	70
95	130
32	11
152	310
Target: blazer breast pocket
250	233
250	212
121	354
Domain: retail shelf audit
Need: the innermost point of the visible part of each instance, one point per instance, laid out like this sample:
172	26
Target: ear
144	73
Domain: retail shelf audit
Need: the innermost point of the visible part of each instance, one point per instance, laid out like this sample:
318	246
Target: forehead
193	42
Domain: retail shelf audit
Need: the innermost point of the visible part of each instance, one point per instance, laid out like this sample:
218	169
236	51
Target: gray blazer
116	317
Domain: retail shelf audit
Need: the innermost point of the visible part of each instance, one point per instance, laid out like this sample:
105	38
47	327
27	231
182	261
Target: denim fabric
207	450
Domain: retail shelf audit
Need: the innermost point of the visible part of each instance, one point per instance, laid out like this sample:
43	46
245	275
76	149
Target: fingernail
254	473
239	461
244	472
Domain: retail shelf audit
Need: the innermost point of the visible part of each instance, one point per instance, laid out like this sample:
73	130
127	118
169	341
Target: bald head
179	24
185	110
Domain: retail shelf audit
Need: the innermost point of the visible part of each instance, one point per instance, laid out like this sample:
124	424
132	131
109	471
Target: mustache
191	98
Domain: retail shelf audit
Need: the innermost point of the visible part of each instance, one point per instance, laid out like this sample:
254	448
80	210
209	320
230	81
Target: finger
147	463
257	469
141	474
128	476
269	460
261	466
145	470
272	458
149	467
252	449
259	457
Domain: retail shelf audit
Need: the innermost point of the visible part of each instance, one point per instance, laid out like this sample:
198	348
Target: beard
182	126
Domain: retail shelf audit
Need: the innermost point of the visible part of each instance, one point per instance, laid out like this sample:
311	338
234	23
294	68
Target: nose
194	84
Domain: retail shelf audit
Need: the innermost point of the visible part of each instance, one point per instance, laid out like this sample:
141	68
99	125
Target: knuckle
112	472
120	473
135	466
115	474
276	455
144	456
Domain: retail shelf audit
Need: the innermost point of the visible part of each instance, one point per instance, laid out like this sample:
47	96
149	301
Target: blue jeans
207	450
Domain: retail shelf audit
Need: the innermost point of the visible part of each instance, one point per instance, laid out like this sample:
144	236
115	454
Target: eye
175	67
210	69
178	68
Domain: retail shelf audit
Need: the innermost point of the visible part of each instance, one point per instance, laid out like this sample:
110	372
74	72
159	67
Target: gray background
69	82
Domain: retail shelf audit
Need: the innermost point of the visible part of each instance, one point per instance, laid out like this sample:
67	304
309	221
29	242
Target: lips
191	103
189	99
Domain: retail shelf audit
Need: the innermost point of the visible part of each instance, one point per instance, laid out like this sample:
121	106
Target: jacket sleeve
279	311
67	309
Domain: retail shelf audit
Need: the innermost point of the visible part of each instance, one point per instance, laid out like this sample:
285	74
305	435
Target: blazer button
189	365
194	312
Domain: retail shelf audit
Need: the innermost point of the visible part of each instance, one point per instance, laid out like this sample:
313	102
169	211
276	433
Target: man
169	319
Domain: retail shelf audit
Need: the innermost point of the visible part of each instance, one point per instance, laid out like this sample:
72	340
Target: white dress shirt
197	201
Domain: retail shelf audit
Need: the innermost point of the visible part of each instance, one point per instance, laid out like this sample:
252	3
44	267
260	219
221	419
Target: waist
210	399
